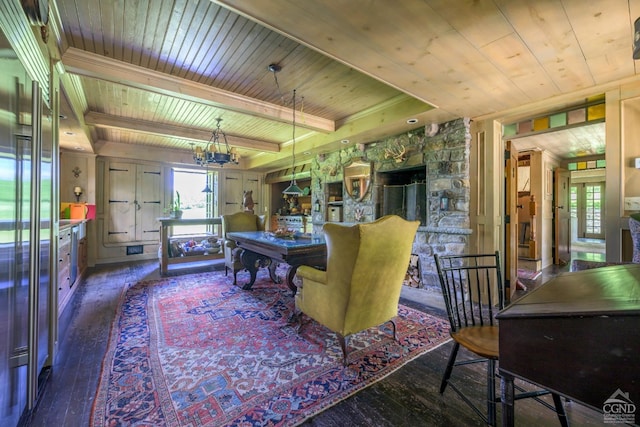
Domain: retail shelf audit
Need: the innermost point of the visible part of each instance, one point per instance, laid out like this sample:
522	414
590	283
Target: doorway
587	207
587	219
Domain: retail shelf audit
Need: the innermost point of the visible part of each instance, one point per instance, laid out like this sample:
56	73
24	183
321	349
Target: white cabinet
234	184
64	268
133	201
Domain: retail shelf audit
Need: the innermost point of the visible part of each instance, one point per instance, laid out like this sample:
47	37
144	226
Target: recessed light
69	133
412	121
62	117
344	141
306	153
78	148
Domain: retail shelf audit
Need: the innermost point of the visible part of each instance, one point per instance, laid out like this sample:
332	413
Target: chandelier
293	189
215	151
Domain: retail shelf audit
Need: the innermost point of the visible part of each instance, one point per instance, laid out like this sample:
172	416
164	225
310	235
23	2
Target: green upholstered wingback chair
239	221
366	264
634	228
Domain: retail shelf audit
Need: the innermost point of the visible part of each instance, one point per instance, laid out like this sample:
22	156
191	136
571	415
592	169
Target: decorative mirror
357	178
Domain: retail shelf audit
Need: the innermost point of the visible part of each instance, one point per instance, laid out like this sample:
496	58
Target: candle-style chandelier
216	151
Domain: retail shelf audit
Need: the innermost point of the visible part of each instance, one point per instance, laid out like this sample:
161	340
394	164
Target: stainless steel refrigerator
25	230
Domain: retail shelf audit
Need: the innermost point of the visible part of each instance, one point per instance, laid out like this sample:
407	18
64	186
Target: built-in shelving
166	257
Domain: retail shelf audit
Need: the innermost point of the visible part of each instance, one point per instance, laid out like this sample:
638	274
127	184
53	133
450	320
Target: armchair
634	228
366	264
240	221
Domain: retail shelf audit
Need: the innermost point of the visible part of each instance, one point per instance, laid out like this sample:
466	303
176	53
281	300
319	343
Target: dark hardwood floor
408	397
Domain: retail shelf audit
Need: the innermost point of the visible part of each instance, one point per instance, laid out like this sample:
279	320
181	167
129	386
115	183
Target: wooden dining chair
473	292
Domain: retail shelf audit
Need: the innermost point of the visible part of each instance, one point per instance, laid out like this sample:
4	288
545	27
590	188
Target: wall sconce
78	192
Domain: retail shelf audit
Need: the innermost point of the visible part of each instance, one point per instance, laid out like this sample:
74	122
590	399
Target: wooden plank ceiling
158	73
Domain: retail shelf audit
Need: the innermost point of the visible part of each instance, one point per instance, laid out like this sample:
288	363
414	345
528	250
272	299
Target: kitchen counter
65	223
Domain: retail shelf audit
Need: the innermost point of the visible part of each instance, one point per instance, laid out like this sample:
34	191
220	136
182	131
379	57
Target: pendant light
217	150
207	188
293	189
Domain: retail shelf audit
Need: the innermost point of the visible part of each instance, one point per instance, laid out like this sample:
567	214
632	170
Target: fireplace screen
408	201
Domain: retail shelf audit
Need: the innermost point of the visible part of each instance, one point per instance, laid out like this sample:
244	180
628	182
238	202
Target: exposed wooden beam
97	66
94	118
358	129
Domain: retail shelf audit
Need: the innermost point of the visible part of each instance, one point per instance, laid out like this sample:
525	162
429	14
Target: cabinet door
251	182
121	226
148	202
134	202
232	200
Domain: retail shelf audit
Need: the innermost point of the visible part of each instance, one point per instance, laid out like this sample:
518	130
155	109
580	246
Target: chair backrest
472	288
634	228
242	221
367	263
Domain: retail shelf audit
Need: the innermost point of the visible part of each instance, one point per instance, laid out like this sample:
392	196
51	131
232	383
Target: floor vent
134	250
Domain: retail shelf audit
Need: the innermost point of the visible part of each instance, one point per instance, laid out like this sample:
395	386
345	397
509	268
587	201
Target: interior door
562	216
511	226
590	223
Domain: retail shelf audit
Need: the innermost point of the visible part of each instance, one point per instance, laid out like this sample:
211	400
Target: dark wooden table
579	336
258	246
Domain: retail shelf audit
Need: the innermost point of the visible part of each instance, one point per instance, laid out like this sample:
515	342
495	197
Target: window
196	203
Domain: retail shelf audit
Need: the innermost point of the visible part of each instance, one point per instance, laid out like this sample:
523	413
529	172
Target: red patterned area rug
194	350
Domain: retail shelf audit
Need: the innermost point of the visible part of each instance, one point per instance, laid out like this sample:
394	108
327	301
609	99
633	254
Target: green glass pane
559	119
509	130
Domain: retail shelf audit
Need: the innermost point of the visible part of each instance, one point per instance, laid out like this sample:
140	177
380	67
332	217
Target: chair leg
295	318
226	270
447	371
344	342
491	392
562	415
235	276
394	329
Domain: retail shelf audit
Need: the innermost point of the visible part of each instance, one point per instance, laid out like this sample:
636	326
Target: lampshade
292	189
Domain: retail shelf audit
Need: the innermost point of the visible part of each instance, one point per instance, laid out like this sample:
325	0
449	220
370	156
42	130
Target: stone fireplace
436	161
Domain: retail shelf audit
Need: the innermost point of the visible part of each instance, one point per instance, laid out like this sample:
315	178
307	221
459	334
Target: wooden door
232	193
562	216
147	203
121	209
511	220
251	182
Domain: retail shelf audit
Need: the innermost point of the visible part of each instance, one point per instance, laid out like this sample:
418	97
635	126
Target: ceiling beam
100	67
359	128
97	119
